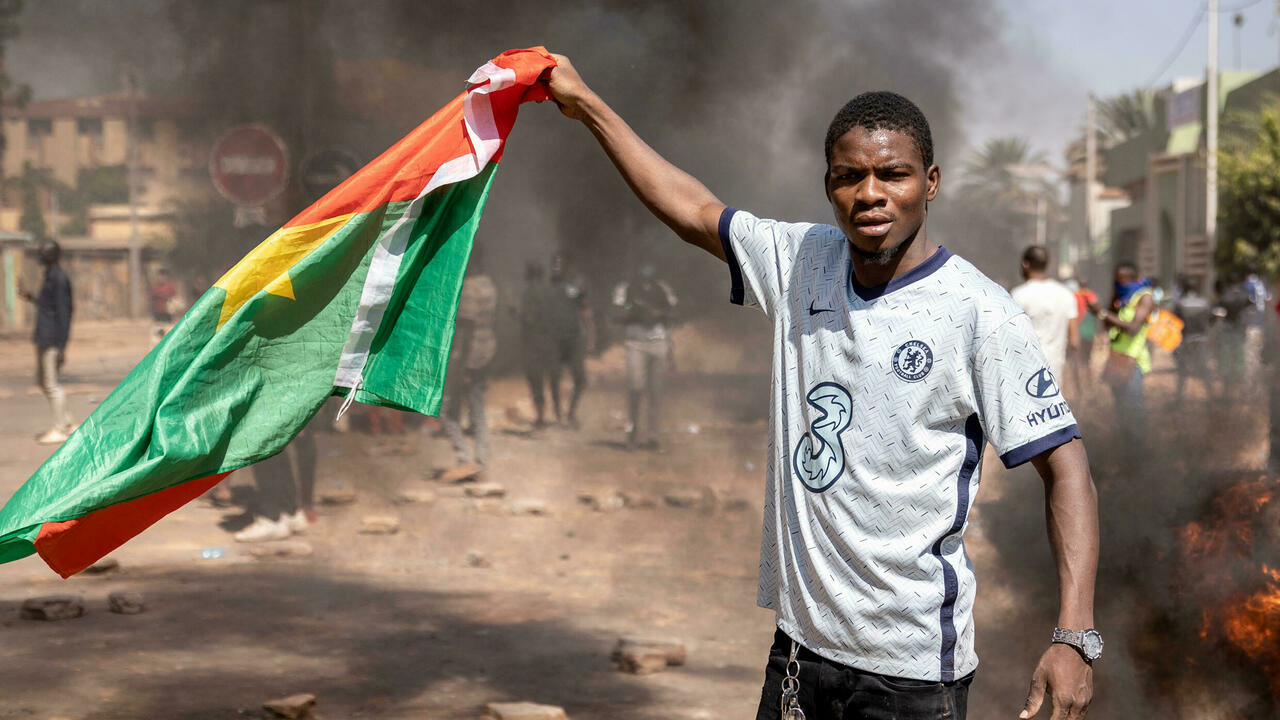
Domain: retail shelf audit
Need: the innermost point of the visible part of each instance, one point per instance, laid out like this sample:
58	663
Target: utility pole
1211	143
135	252
1090	175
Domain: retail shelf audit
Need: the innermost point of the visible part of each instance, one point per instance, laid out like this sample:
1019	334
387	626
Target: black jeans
831	691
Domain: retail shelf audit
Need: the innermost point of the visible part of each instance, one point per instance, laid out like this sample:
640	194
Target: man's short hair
1127	265
882	110
1037	258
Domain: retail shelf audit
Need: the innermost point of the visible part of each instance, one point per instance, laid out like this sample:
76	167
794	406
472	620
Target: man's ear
934	179
826	183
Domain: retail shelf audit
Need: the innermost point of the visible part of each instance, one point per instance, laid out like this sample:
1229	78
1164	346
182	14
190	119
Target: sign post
249	166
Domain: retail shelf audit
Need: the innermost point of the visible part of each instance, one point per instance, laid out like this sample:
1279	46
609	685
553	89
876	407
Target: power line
1238	8
1182	45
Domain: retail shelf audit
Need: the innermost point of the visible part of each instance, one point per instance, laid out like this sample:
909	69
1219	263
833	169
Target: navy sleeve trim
736	292
1020	455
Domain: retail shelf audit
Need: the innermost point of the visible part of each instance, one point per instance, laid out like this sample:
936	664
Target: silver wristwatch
1086	642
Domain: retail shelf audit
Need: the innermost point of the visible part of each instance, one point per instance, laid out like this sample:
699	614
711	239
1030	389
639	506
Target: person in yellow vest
1126	322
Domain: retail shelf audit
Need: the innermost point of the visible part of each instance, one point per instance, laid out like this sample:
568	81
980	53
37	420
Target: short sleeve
760	253
1072	305
1020	401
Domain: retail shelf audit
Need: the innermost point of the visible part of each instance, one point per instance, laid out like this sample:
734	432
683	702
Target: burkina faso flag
357	296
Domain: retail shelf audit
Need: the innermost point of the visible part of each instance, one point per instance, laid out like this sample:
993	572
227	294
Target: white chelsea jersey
882	401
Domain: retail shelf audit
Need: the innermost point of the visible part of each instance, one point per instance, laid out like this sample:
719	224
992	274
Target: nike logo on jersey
814	311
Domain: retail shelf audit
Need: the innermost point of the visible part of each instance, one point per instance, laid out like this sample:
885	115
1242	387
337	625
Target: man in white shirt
1051	307
894	363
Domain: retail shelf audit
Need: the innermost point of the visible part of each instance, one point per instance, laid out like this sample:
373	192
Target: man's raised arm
673	195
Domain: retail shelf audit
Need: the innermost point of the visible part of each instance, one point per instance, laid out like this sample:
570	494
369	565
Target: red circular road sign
249	164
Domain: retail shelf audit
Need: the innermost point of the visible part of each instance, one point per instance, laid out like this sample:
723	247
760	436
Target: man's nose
870	191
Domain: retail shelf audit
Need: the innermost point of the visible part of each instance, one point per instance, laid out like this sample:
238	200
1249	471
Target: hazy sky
1066	50
1046	56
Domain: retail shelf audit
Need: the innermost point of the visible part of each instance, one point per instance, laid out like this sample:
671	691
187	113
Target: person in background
572	329
536	347
1192	356
1234	307
282	505
474	347
1126	323
1051	307
164	294
54	307
645	304
1087	329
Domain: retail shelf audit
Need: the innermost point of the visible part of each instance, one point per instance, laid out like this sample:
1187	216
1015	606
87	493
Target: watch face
1092	644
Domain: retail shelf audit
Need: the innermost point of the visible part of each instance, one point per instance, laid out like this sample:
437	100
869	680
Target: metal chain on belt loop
791	687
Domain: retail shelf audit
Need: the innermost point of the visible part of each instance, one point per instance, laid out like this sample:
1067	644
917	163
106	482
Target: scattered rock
486	489
336	496
642	660
672	650
488	506
633	499
529	506
125	603
524	711
53	607
379	525
702	498
604	501
735	504
415	496
461	473
102	567
477	559
281	548
294	707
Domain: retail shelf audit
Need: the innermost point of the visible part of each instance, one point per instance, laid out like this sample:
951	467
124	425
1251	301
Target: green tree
32	218
1126	116
9	94
1249	197
1004	186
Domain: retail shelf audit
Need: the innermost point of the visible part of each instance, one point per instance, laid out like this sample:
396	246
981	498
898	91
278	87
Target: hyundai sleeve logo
1042	385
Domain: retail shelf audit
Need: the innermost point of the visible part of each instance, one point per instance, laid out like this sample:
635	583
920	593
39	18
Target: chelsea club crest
913	360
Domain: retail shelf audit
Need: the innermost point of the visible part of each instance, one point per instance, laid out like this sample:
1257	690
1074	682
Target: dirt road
467	603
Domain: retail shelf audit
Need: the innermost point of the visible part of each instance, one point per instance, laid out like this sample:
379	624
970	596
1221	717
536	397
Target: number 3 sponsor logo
819	456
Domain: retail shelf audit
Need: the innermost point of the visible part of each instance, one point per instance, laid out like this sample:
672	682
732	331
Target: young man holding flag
894	362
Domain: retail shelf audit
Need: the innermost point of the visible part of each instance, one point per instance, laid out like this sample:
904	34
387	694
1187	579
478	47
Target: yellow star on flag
266	267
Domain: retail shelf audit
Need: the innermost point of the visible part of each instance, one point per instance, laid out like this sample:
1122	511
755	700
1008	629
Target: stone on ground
477	559
415	496
486	489
294	707
281	548
691	498
53	607
634	499
673	650
379	525
529	506
524	711
602	500
336	496
642	660
125	602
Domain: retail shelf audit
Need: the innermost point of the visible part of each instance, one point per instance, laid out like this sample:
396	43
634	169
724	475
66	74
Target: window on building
89	126
38	127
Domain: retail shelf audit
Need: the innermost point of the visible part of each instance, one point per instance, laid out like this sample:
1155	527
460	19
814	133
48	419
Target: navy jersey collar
915	274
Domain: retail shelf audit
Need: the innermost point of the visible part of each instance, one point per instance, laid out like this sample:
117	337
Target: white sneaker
52	437
263	530
297	522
